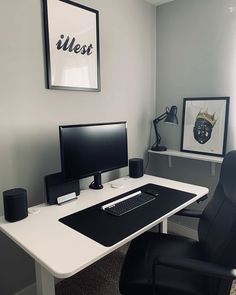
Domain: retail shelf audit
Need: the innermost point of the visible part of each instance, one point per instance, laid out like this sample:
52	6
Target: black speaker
15	204
136	167
57	186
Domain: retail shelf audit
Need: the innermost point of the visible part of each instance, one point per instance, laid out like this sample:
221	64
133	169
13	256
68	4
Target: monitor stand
97	183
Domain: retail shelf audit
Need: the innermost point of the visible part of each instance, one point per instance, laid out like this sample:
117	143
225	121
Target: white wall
30	113
196	57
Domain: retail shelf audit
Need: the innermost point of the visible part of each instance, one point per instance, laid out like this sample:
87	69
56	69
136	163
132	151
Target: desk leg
44	281
163	226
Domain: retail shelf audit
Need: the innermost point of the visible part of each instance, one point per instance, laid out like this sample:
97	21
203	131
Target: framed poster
72	45
204	125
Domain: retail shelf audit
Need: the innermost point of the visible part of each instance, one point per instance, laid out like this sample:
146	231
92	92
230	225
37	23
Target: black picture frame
71	45
205	125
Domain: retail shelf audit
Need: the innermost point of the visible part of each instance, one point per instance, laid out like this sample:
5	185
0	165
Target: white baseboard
182	230
29	290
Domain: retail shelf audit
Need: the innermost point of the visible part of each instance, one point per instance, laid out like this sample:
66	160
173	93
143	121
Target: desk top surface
64	251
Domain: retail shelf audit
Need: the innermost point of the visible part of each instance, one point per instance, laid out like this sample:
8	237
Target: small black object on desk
57	186
15	204
152	192
135	167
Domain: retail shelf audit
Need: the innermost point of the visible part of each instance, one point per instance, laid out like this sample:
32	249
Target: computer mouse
117	184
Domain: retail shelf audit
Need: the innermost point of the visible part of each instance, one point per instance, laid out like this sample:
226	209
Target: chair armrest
189	213
202	199
197	266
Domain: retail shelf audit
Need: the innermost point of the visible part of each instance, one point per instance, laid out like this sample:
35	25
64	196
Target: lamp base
158	148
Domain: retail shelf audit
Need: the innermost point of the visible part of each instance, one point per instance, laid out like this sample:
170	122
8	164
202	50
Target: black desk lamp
170	116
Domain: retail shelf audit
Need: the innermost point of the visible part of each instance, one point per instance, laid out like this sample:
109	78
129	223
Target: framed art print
72	45
204	125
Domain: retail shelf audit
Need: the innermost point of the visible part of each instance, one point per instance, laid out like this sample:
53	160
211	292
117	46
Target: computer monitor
89	150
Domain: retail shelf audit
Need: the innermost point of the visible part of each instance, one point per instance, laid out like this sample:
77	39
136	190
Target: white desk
60	251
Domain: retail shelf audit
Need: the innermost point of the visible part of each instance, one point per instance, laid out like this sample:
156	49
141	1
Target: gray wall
196	57
30	113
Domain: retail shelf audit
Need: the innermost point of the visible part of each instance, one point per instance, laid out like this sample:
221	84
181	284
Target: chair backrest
217	226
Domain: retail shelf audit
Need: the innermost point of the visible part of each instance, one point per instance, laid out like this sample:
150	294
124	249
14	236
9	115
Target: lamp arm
155	122
158	137
160	118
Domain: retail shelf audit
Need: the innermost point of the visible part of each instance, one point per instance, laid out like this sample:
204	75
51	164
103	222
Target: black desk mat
108	230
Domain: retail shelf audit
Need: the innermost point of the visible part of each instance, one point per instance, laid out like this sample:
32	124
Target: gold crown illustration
208	117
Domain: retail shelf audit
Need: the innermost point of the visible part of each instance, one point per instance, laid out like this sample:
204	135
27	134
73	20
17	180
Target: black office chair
165	264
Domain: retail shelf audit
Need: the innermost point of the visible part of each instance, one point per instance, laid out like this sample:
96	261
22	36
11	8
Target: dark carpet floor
100	278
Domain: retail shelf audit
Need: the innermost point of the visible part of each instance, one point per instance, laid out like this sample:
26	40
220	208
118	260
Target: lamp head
171	115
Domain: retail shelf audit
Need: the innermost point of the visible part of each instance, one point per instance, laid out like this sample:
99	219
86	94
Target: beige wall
30	113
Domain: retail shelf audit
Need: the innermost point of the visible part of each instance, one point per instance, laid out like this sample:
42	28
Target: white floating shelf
173	153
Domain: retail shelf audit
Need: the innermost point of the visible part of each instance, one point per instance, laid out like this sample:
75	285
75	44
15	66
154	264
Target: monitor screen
89	150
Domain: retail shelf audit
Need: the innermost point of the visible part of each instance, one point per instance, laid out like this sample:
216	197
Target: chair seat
136	276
